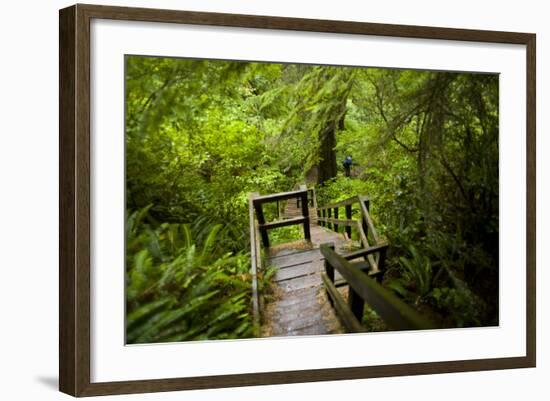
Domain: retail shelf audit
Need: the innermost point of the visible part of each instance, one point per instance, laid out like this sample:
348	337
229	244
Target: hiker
347	165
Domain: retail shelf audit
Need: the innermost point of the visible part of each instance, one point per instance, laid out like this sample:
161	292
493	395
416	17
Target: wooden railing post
381	264
255	263
382	258
335	226
348	217
305	214
329	213
366	202
329	270
324	223
397	314
356	303
261	221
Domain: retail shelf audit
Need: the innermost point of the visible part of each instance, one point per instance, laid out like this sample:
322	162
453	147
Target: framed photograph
249	200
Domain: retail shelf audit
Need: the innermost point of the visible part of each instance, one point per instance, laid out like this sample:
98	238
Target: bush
180	288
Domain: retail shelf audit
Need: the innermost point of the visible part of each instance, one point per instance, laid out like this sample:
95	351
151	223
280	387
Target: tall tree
320	108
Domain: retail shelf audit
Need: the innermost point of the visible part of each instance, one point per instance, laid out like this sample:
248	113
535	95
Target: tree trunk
327	164
327	155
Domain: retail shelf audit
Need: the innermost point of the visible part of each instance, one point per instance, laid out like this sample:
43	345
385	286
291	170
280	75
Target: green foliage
460	305
286	234
340	188
417	269
179	288
425	150
201	135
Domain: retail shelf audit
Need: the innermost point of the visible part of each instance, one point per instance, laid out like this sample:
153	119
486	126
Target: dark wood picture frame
74	204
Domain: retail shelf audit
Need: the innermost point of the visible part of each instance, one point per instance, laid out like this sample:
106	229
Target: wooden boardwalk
300	306
310	271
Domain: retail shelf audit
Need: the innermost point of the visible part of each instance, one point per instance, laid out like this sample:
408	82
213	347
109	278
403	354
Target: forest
202	134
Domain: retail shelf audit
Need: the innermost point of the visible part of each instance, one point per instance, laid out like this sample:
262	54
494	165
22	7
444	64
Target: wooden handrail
396	313
258	202
255	262
260	199
363	202
283	223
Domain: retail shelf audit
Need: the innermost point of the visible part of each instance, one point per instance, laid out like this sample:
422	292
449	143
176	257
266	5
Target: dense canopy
202	134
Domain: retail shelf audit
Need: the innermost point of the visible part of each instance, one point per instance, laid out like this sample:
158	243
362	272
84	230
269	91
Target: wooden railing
329	217
364	289
255	263
259	232
258	202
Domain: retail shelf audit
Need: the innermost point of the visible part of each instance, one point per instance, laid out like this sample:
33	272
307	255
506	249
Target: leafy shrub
282	235
418	270
340	188
461	306
180	287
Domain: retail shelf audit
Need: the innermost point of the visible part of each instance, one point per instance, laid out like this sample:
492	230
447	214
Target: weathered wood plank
296	271
299	317
320	235
296	323
283	223
295	259
316	329
299	283
301	312
293	298
294	249
299	277
300	307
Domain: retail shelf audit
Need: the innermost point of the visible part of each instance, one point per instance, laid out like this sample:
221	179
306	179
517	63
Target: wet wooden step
294	259
300	306
300	283
296	271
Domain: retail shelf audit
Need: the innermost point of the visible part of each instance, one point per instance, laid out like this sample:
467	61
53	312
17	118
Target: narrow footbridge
323	281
